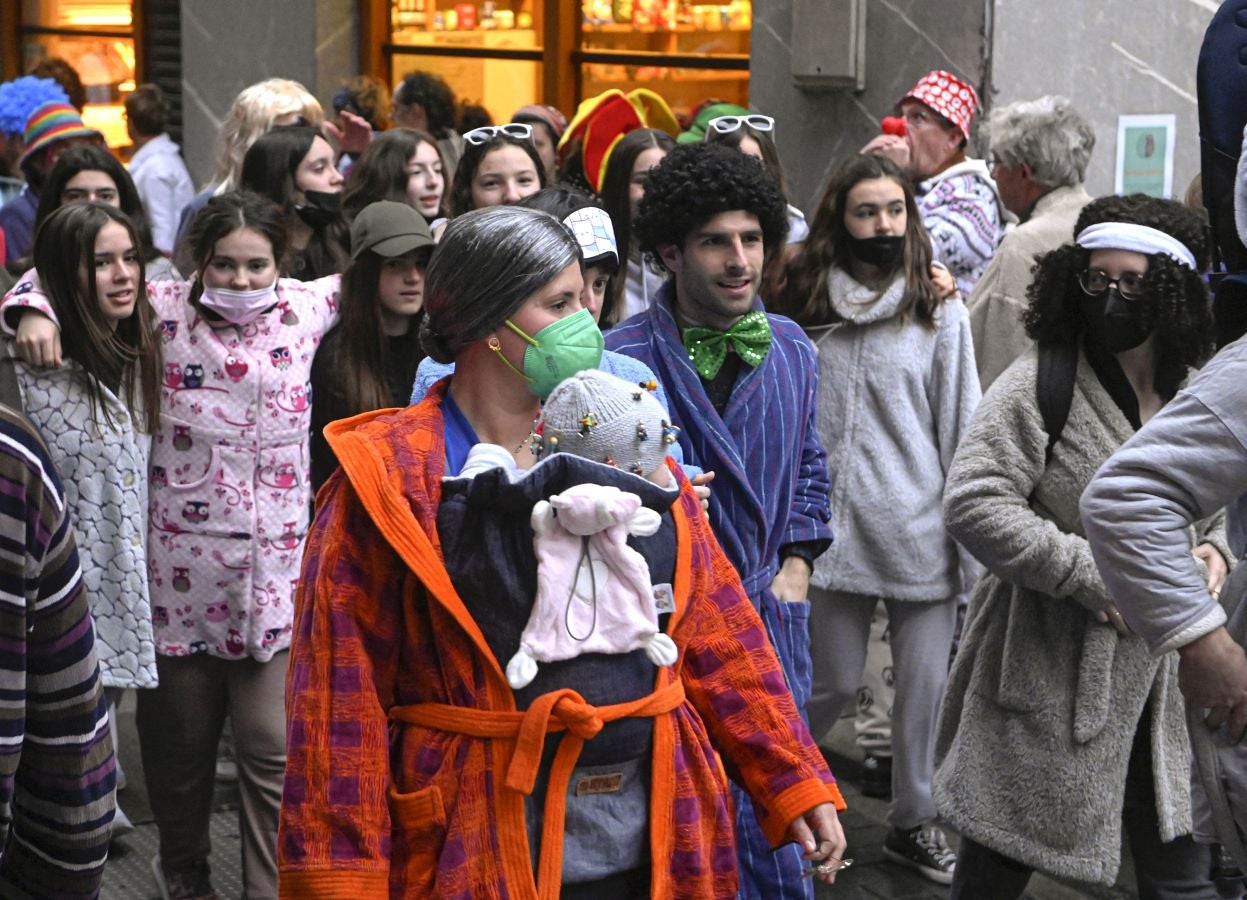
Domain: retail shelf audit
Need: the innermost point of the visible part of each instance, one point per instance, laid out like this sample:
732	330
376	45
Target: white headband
1137	239
594	232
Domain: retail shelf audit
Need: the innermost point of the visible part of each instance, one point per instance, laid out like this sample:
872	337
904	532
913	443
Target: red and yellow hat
52	122
602	121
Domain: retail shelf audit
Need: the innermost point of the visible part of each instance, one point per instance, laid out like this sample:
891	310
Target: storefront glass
485	39
97	39
688	52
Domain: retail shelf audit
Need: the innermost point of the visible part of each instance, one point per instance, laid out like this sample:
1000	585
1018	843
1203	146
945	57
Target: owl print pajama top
230	490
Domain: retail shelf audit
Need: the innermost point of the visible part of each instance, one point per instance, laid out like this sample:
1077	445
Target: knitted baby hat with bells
598	416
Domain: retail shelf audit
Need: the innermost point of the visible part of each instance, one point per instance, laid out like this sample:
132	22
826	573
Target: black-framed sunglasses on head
1095	282
517	130
728	124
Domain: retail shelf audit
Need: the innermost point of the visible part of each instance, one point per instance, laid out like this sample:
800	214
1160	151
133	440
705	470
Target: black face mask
881	251
1116	324
321	209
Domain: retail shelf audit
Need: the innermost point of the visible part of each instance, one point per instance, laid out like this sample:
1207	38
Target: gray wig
486	265
1047	134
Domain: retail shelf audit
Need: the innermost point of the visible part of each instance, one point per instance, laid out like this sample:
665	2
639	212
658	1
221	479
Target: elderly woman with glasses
500	166
1059	730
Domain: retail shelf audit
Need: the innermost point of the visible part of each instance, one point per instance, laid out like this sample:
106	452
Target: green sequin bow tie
750	338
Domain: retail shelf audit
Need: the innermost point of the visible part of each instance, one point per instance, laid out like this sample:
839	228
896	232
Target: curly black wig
433	94
696	182
1176	296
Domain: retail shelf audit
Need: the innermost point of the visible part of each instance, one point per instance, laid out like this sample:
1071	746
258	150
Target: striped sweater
57	769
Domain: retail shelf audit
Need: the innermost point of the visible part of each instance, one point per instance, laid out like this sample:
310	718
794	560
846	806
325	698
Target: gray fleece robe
1043	701
894	398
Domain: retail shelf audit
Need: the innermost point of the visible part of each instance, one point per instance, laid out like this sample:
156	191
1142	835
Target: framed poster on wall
1145	155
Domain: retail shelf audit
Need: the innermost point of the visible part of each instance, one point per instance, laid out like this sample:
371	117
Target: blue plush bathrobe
771	489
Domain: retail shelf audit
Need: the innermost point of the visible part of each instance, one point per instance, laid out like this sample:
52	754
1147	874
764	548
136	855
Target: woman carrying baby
415	768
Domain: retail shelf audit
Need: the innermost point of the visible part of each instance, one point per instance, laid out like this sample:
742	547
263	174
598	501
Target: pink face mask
239	307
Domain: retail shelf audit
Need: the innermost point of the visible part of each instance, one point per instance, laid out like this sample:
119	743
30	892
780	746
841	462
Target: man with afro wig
741	384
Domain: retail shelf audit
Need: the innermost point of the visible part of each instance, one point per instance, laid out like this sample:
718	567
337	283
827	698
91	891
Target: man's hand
701	487
1217	569
38	339
821	839
792	582
889	145
1212	673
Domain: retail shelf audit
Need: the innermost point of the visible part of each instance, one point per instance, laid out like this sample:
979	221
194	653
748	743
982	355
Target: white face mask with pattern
239	307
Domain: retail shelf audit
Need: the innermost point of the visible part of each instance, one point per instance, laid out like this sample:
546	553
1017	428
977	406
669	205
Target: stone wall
229	44
817	131
1113	57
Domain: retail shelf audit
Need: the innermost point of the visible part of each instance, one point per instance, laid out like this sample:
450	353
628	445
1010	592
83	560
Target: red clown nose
893	125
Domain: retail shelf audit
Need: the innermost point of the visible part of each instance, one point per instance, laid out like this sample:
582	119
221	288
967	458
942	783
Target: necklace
530	440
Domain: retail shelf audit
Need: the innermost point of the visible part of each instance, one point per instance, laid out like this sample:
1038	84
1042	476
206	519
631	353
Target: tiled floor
128	875
872	877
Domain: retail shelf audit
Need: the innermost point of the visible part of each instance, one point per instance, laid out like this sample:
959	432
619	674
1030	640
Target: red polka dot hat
949	96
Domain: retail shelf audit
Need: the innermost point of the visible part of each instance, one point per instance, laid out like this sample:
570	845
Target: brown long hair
361	349
381	172
268	169
615	182
129	357
803	295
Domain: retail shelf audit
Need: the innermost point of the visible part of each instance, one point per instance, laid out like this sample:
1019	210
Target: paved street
128	876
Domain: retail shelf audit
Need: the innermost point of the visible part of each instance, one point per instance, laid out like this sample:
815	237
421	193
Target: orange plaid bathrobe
408	760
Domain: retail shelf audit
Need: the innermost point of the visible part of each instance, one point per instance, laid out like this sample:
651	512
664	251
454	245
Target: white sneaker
121	823
226	770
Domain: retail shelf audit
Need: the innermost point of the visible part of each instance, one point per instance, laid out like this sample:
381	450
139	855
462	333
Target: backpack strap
1054	388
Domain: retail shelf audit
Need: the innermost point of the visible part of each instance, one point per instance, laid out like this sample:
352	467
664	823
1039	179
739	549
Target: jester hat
602	121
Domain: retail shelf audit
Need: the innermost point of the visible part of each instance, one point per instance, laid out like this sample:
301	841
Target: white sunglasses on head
728	124
482	135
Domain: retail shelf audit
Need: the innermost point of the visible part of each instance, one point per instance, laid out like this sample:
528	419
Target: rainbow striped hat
52	122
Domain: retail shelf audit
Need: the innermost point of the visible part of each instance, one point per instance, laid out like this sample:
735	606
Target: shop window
686	51
489	52
96	37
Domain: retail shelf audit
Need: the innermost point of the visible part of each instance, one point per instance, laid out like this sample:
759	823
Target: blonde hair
252	115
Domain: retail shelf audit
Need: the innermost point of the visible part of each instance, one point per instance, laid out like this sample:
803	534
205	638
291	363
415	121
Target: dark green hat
389	229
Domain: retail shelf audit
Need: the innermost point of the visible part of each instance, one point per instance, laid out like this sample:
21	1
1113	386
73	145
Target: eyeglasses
485	133
1095	282
728	124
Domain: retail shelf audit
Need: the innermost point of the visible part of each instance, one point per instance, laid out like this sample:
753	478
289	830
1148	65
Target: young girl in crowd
88	172
228	514
257	110
1049	687
424	102
97	412
499	167
400	165
369	359
294	167
548	127
897	388
623	186
446	762
754	135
